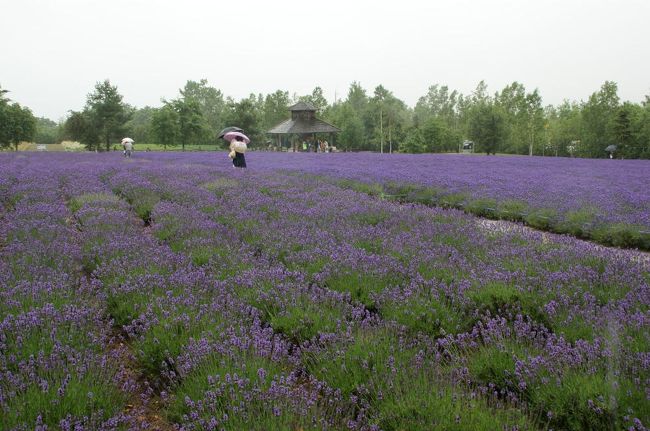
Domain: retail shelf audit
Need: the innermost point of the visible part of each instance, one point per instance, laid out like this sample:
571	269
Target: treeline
512	120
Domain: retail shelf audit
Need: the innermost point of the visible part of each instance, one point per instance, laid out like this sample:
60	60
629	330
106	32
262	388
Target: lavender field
605	200
171	291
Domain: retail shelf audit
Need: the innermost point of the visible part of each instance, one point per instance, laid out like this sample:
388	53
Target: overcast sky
53	52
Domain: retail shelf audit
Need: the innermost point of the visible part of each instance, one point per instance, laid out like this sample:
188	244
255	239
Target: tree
4	118
107	112
20	125
165	126
352	129
79	127
357	129
316	99
377	107
17	123
444	109
397	117
487	127
598	117
275	108
191	124
623	130
211	103
47	131
524	117
564	127
437	137
642	129
533	120
139	126
414	142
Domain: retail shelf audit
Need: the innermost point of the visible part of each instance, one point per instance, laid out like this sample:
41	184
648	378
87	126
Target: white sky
52	52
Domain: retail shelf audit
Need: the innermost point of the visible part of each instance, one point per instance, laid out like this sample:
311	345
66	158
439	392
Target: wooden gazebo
303	123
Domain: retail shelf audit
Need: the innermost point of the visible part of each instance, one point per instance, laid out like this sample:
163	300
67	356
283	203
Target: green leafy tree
165	126
79	127
18	124
534	121
512	100
414	142
191	123
358	103
598	116
487	127
565	128
47	131
398	119
139	125
642	129
437	136
316	99
211	103
275	110
4	118
441	108
624	131
524	118
377	109
107	112
352	128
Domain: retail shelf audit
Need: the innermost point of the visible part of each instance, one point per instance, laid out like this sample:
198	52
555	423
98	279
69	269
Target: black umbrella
229	129
610	148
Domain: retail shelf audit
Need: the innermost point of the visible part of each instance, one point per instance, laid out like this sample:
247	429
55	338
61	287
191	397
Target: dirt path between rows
143	405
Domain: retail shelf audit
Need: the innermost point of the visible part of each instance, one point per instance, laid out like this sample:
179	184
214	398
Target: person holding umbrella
127	143
238	147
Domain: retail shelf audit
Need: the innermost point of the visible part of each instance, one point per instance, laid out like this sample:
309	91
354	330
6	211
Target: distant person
237	150
128	148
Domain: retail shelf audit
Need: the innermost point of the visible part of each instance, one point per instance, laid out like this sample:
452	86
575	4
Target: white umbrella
125	140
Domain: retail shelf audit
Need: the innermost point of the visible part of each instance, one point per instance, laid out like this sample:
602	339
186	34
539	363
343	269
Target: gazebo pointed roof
303	121
302	106
303	126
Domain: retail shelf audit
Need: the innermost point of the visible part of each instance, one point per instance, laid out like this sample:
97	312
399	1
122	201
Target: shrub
482	207
512	210
577	223
543	218
622	235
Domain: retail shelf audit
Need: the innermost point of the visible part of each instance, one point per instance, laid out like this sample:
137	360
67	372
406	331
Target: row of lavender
56	370
604	200
275	302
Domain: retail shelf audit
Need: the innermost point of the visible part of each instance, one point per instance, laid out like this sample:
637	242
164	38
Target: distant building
303	125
